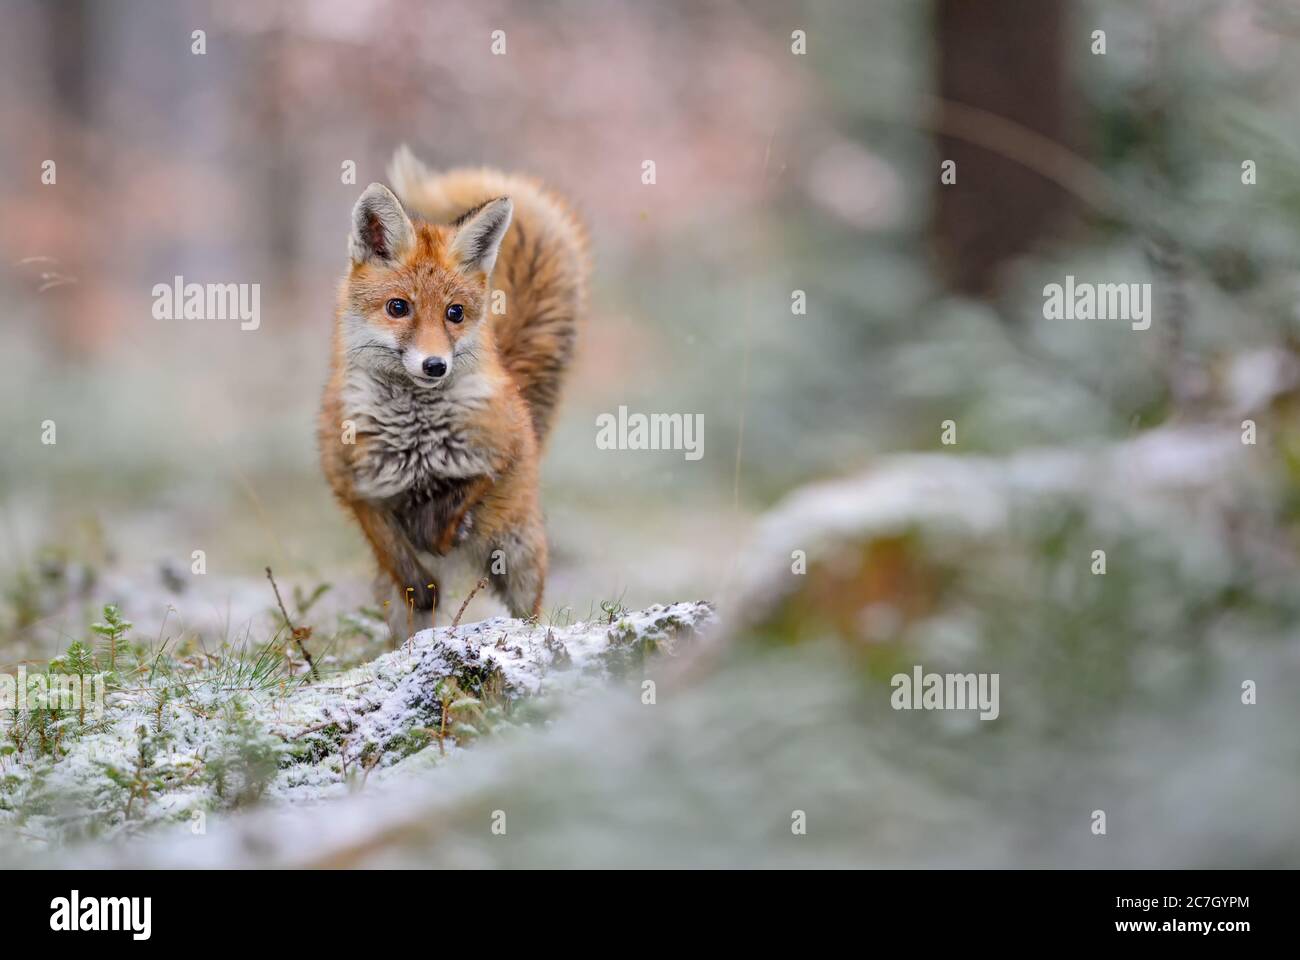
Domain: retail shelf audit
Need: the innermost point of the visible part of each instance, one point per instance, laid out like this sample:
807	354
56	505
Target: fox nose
434	366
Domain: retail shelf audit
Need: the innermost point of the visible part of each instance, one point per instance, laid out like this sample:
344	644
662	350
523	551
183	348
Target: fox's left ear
479	235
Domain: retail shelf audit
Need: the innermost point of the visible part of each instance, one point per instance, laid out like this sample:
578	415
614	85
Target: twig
483	582
343	746
197	767
299	633
410	619
315	729
367	767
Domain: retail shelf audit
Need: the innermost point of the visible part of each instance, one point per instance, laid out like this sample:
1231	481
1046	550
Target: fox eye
455	313
397	307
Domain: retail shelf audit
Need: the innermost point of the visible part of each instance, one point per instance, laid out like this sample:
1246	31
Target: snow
317	741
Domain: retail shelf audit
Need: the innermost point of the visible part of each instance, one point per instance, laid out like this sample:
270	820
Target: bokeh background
227	167
776	172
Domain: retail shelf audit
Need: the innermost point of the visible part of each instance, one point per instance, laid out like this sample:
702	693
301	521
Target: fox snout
424	367
428	354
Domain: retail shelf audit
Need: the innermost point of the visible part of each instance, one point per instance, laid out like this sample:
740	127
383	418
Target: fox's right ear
381	230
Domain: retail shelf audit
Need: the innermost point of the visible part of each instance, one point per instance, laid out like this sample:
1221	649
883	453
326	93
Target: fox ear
479	235
381	230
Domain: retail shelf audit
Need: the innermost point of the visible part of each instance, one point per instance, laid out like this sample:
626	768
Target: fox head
416	296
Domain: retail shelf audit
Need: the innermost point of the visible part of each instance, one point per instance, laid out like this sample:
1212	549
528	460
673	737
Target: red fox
454	328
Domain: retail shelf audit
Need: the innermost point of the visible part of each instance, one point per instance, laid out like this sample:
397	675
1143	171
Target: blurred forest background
776	172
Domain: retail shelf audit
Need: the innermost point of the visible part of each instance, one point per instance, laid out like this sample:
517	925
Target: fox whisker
371	346
387	352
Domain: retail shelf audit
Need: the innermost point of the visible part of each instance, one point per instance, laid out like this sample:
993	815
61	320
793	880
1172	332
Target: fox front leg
397	559
459	522
516	569
400	611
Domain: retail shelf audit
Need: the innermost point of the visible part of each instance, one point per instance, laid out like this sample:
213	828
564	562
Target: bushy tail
542	269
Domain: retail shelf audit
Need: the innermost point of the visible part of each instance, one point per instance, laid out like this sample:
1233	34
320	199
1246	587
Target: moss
315	746
630	646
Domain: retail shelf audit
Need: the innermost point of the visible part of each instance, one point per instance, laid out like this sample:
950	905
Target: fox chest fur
419	452
411	440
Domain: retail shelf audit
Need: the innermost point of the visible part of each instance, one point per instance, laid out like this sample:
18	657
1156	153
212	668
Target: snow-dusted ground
214	740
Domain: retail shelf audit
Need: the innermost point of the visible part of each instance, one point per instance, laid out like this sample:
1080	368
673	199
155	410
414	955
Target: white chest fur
413	438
